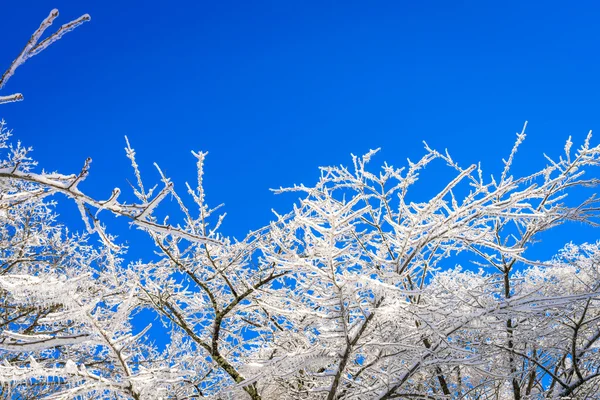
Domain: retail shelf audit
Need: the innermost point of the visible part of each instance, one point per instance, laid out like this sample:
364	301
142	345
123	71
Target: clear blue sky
274	89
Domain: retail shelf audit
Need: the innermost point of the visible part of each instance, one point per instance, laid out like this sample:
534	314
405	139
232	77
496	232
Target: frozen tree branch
33	48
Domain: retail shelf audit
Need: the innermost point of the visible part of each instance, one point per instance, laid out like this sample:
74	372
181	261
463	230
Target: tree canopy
359	292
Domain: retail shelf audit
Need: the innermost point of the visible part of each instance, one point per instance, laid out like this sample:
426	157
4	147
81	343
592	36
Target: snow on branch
140	214
34	47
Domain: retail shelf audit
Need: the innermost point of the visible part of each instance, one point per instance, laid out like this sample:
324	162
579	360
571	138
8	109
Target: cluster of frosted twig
363	291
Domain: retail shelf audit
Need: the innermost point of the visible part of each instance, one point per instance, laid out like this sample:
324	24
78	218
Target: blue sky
274	89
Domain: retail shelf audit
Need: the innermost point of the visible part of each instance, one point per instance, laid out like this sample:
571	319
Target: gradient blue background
274	89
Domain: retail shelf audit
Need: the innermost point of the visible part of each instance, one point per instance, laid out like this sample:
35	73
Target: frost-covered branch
34	47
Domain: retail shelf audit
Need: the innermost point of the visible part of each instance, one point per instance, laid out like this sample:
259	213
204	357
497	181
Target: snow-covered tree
361	291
